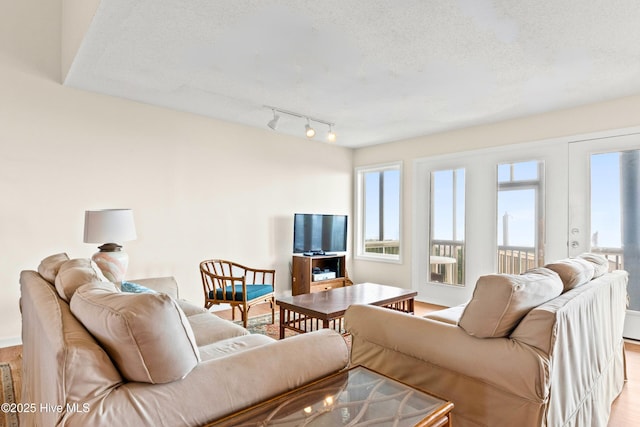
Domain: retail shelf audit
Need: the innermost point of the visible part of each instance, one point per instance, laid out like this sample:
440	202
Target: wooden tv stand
302	273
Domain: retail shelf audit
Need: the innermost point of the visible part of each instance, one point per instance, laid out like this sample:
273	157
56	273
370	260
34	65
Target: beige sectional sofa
95	356
517	354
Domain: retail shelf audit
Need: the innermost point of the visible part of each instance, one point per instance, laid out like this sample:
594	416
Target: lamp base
113	262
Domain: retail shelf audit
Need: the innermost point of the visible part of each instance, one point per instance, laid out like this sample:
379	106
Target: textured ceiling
380	70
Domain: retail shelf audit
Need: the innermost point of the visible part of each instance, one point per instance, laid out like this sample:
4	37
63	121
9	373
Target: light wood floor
625	411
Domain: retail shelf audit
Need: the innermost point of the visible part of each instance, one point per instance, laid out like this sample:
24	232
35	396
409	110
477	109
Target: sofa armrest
167	285
380	336
219	387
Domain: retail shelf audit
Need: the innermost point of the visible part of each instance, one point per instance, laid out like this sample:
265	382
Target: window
606	202
520	216
378	196
512	179
615	179
446	257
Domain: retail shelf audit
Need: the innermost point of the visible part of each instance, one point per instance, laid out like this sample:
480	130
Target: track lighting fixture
273	124
310	132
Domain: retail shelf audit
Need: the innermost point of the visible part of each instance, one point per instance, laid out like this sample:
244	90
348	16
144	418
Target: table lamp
110	227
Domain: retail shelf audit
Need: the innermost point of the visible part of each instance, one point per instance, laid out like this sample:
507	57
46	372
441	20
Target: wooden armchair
226	282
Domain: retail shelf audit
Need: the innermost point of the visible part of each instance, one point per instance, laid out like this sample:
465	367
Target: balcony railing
390	247
511	259
516	259
449	273
613	255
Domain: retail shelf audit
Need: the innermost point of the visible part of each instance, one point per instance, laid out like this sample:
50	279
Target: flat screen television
318	234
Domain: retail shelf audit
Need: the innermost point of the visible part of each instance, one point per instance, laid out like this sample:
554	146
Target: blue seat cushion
253	292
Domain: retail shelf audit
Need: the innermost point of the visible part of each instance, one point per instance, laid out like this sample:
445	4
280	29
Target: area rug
8	418
262	325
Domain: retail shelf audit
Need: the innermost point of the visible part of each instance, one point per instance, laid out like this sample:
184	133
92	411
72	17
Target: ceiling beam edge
76	18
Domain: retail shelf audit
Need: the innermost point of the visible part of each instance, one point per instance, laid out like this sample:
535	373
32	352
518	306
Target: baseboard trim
632	325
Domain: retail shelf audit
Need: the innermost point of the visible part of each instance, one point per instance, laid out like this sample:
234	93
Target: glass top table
357	397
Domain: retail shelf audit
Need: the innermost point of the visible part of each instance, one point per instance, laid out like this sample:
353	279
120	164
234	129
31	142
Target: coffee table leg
282	314
411	310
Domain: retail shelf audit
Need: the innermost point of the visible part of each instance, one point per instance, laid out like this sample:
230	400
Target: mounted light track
310	132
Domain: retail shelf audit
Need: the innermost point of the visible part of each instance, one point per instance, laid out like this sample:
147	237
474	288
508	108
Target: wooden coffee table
322	310
357	397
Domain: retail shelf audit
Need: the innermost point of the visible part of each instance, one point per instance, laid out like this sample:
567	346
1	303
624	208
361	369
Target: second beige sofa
560	363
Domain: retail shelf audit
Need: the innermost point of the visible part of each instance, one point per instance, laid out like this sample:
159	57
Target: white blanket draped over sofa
562	365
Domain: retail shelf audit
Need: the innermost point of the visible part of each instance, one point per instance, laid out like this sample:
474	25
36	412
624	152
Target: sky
391	211
516	211
518	206
515	208
605	199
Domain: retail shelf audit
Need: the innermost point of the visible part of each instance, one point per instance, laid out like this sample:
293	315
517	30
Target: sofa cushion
75	273
190	309
600	263
146	334
573	272
500	301
209	328
233	345
449	315
50	266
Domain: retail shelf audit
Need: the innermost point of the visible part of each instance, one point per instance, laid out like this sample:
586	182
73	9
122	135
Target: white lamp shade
109	226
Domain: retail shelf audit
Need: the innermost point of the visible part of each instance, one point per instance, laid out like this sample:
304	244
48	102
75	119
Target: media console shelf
302	280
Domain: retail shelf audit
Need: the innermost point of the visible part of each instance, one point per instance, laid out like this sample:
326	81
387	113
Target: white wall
199	188
614	114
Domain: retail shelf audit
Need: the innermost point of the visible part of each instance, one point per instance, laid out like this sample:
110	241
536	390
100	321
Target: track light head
311	132
331	136
273	123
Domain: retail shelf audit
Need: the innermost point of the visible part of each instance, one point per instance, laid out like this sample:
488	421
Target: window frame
359	174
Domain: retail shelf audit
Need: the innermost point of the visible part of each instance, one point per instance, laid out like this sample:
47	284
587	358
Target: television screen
319	233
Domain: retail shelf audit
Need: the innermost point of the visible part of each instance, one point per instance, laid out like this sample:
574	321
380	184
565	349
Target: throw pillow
574	272
135	288
500	301
600	263
146	334
73	274
50	266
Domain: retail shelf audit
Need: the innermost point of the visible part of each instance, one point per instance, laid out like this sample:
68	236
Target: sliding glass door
605	209
526	205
